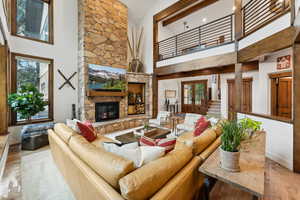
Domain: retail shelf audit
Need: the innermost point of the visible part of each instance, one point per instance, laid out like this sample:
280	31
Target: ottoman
35	136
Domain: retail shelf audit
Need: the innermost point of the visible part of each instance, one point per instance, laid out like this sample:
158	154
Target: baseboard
282	161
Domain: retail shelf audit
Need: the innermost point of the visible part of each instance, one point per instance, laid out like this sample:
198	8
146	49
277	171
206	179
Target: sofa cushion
108	165
147	180
64	132
100	140
198	143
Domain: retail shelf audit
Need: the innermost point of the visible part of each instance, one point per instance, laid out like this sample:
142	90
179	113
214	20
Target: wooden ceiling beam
276	42
198	64
173	9
188	11
246	67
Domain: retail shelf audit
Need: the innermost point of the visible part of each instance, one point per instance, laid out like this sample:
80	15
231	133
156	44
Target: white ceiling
137	9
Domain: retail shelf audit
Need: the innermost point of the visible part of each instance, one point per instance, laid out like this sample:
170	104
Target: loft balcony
218	36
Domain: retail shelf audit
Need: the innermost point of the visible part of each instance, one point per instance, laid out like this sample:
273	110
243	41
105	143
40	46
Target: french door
194	97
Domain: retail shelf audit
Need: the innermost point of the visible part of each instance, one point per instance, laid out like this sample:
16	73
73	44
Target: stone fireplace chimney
103	41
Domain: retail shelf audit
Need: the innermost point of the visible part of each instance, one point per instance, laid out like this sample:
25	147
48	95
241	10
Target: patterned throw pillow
87	131
146	141
201	125
167	143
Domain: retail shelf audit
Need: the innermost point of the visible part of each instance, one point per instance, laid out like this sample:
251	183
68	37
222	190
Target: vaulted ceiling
137	9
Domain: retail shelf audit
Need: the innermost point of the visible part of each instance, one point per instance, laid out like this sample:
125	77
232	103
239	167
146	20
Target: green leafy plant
250	124
27	102
232	134
146	126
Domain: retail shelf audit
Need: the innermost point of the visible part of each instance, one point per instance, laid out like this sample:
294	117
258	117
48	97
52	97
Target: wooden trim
296	107
198	64
276	118
188	11
281	74
181	4
275	42
3	89
238	20
14	24
93	93
251	66
13	89
249	79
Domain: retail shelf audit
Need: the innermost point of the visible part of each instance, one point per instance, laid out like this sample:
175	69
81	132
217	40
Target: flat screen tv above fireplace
103	78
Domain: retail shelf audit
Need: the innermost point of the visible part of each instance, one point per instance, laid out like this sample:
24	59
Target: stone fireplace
102	40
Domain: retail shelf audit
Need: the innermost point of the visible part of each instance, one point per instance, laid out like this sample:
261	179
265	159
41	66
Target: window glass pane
188	94
34	72
32	19
41	115
199	93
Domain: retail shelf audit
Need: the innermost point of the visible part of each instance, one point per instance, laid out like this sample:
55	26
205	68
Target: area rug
41	179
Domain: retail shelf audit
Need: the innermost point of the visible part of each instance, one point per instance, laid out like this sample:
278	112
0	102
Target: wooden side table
252	163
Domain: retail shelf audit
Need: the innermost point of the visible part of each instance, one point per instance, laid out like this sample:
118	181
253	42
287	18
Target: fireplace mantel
93	93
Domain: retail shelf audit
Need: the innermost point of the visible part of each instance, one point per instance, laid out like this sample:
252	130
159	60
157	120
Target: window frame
13	89
50	21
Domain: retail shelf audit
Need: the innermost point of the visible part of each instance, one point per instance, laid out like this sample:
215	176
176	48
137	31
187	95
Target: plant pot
230	160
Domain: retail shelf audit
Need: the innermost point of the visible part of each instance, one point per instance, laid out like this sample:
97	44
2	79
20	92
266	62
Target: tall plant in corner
27	102
134	44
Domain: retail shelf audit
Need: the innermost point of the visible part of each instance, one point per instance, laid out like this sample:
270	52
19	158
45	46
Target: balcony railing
212	34
257	13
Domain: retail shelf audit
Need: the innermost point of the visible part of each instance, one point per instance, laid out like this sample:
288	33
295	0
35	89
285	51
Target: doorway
194	97
246	96
281	94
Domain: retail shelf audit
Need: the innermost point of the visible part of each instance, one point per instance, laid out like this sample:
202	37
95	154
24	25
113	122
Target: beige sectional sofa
93	173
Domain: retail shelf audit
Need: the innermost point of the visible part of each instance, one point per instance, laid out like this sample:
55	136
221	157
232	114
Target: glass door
194	97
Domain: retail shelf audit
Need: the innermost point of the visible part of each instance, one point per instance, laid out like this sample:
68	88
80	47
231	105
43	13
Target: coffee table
154	133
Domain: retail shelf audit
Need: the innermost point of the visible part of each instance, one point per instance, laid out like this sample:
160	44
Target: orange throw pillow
201	125
87	131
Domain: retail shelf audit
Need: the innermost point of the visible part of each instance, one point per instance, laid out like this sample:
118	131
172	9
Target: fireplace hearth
106	111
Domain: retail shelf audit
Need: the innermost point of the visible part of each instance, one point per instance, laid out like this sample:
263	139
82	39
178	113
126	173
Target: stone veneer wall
102	40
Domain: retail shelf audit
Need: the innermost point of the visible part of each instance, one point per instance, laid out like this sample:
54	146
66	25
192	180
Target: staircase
214	109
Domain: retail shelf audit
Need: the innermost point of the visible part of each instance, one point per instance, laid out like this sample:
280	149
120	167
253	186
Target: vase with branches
134	44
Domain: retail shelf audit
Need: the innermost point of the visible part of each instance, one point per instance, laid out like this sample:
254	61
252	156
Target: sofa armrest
210	149
184	185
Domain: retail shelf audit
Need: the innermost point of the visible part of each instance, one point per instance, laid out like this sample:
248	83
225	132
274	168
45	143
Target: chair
162	118
189	123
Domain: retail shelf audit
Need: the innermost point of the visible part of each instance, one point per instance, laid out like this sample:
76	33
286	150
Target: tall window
32	19
36	71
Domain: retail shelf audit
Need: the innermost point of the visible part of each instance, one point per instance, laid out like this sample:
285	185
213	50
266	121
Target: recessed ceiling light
233	8
204	19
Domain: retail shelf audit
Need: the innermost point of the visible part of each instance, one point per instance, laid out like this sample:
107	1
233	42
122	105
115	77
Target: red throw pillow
201	125
89	124
167	143
145	141
87	132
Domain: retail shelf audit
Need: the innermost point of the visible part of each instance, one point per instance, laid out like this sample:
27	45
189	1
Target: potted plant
27	102
232	134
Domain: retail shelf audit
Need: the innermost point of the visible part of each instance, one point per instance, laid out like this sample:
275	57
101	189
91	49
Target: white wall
261	85
224	90
175	84
64	53
279	140
147	23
